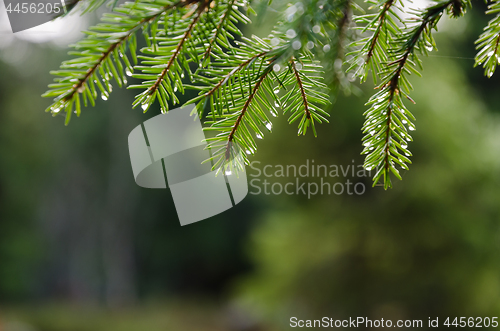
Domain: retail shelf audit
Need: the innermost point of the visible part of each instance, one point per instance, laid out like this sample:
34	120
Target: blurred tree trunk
117	225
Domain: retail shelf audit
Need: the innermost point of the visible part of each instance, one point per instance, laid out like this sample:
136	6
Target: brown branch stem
376	35
301	87
219	27
247	104
238	68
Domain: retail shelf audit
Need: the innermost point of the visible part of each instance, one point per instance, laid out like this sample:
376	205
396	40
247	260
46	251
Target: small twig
376	34
218	29
238	68
247	104
302	90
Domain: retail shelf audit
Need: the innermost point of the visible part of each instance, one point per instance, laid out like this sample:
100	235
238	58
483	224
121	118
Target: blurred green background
82	248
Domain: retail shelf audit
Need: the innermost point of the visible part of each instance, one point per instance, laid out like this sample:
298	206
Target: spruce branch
381	19
339	24
489	42
220	34
371	51
103	55
302	90
240	99
164	65
197	44
385	128
219	29
152	91
251	97
235	70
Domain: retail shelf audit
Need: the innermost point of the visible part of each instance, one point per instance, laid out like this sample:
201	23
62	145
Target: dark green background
83	248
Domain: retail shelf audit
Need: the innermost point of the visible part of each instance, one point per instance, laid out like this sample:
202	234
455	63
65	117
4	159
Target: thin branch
302	90
218	29
247	104
235	70
376	34
497	41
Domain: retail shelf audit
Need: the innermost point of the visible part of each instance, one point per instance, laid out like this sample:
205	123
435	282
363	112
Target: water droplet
298	66
372	132
404	146
276	67
144	106
326	48
407	154
276	91
275	42
277	106
337	64
258	136
128	72
316	29
367	144
291	33
175	88
182	75
404	121
104	96
248	151
291	10
228	172
296	45
269	126
411	127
